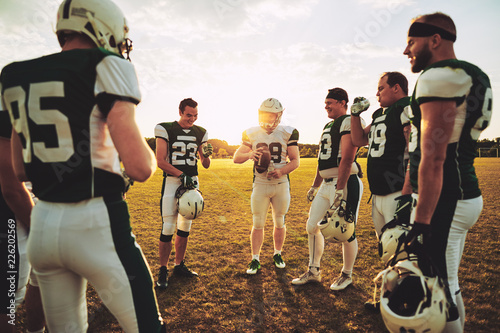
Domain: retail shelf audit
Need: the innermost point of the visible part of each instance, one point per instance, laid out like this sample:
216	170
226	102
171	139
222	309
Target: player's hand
207	150
418	239
128	181
359	105
339	194
255	154
312	193
187	181
403	208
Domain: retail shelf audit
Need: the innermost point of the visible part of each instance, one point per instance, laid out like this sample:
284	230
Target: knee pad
258	222
279	222
165	238
182	233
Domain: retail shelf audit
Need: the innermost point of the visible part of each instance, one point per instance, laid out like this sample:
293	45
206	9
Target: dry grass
225	299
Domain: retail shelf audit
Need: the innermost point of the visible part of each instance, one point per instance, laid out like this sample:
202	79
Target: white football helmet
101	20
410	301
339	226
391	244
271	105
190	202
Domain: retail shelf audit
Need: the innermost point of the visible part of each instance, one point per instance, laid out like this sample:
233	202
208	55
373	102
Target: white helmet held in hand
391	244
270	105
410	301
190	202
101	20
340	225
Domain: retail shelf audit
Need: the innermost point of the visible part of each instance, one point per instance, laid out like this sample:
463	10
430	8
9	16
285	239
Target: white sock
314	270
277	252
256	257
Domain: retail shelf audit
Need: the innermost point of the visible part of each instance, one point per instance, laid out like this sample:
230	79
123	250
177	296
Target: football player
451	104
271	187
179	144
73	115
387	136
337	179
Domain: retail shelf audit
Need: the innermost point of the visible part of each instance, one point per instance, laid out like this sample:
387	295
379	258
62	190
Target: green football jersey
470	88
5	125
182	145
330	152
58	105
387	148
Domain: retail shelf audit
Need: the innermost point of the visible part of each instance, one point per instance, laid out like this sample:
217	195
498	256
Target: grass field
225	299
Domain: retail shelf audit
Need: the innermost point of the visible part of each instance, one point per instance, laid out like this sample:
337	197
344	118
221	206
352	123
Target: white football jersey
278	142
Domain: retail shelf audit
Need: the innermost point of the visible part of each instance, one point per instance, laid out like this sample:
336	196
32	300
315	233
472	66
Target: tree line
489	148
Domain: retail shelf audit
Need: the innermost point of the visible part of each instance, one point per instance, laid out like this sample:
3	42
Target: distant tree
222	153
152	143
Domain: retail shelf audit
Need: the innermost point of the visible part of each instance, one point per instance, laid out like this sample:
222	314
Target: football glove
128	181
339	194
418	239
312	193
359	105
403	208
207	150
187	181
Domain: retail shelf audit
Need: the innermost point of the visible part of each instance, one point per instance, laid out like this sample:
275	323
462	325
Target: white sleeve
161	132
116	76
443	83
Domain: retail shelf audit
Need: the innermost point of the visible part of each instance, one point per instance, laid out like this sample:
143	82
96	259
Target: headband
419	29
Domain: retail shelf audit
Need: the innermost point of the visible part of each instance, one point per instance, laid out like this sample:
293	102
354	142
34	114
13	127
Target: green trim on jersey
5	125
470	87
58	106
387	144
182	145
329	148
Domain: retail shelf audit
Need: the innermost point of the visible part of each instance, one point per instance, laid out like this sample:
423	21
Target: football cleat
308	276
253	267
278	261
162	278
182	270
342	282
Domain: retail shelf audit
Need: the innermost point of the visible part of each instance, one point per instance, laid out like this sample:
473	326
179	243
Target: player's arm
348	155
136	156
359	135
162	158
245	153
407	185
294	157
205	161
14	192
438	119
17	157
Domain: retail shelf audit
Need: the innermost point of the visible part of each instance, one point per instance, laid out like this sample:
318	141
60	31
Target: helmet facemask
266	123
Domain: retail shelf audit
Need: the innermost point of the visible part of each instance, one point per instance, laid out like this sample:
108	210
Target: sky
230	55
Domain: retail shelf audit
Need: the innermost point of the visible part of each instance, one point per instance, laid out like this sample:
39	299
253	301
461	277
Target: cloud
215	19
387	4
